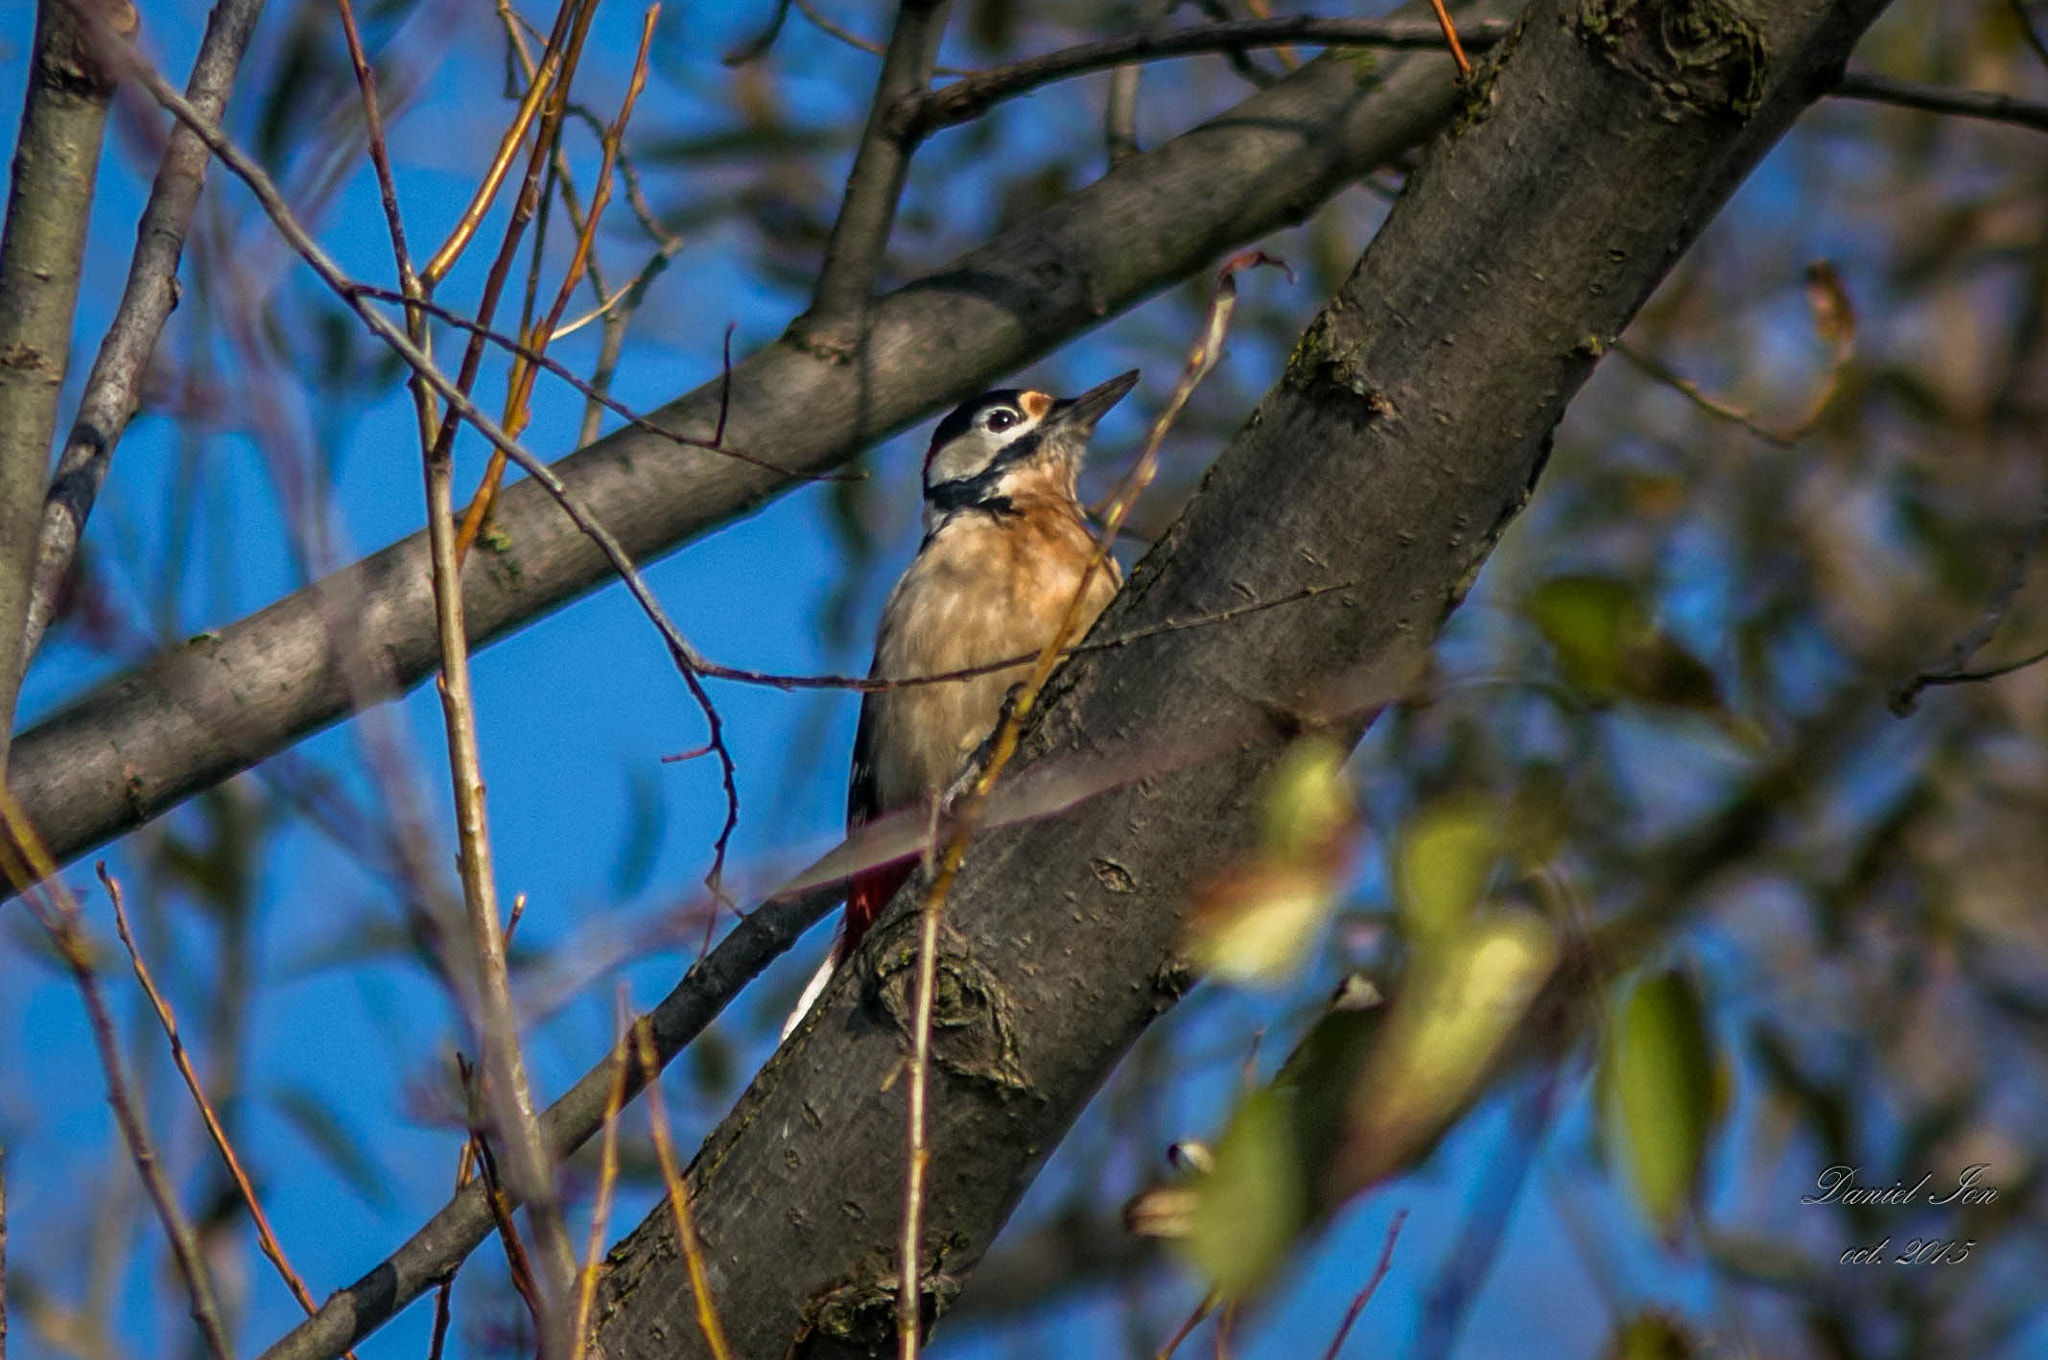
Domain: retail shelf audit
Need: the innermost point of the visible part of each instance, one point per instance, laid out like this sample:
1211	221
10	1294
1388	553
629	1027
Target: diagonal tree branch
1404	436
215	706
49	203
114	387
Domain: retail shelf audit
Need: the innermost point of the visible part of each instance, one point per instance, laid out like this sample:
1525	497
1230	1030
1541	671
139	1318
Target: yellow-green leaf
1589	622
1661	1094
1447	853
1249	1210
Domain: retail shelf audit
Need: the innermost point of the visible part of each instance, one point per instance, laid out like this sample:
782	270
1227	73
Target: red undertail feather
869	892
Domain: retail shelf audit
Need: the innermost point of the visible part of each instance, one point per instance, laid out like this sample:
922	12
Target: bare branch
432	1253
860	234
49	203
24	861
1120	108
265	1237
1909	94
917	116
114	387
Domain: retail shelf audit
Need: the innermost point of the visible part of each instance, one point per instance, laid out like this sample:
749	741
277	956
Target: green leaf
1446	855
1249	1210
1459	1001
1589	622
1663	1096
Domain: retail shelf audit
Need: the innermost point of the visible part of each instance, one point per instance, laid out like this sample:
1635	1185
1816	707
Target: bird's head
1002	442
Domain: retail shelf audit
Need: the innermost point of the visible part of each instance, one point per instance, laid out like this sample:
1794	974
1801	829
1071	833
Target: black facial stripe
979	489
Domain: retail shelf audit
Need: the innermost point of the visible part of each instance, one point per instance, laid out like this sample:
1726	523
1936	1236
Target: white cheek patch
959	459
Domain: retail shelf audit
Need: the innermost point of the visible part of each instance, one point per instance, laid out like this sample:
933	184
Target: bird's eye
1002	418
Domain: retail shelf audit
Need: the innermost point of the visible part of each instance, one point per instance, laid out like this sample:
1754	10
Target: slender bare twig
860	234
518	1266
678	1195
520	386
1443	18
1984	104
686	658
24	862
918	115
1002	746
1205	1306
607	1174
507	1093
501	164
588	390
266	1238
42	249
1120	109
113	387
564	52
1372	1284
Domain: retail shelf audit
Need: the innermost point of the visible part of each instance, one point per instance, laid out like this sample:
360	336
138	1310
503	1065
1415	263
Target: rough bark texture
48	205
200	713
1406	432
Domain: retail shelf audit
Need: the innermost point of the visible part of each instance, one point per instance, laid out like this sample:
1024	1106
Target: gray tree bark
200	713
49	203
1405	434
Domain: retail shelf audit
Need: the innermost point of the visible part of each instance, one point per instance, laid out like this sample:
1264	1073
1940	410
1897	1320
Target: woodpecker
1006	547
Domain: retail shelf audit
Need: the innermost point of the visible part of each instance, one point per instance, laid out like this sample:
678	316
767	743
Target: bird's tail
869	892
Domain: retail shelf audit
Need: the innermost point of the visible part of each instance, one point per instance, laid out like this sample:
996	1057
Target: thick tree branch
207	710
114	387
1404	436
49	203
860	234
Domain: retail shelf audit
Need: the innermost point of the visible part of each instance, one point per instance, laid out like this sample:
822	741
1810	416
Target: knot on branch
974	1026
1702	55
858	1316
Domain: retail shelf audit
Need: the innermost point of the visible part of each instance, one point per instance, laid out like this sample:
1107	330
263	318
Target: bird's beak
1080	413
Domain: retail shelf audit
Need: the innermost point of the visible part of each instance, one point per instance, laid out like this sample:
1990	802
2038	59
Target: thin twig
917	116
113	388
1364	1296
860	233
266	1238
678	1193
517	1264
1120	108
607	1177
501	163
519	392
589	391
688	662
1910	94
24	862
1443	18
1201	1310
1002	745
